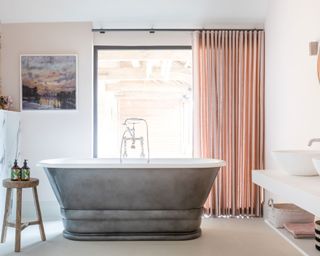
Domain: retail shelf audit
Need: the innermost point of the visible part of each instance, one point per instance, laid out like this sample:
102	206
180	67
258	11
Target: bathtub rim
114	163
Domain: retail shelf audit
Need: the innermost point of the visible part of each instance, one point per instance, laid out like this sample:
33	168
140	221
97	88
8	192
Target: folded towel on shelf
300	230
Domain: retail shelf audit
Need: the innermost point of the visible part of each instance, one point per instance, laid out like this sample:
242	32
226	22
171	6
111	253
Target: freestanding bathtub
101	199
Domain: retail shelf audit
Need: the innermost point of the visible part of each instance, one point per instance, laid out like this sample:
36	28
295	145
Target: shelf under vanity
303	191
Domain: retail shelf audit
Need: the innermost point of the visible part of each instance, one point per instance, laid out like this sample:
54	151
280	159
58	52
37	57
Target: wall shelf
303	191
304	246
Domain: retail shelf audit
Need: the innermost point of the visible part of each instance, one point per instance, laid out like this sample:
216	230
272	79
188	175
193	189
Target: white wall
50	134
292	88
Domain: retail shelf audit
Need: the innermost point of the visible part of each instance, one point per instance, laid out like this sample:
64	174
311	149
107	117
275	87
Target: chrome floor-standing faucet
129	134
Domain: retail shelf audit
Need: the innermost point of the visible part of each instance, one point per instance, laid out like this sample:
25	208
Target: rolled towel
300	230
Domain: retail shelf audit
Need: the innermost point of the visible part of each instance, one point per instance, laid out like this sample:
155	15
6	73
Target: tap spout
312	141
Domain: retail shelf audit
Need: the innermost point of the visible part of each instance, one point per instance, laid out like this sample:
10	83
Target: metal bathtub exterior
132	202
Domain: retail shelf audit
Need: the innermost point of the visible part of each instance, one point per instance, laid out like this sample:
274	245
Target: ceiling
138	13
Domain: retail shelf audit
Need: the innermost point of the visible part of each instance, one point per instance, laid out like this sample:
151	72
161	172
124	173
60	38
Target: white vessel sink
297	162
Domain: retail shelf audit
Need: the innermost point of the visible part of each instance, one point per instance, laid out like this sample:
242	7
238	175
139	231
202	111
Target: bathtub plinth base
132	236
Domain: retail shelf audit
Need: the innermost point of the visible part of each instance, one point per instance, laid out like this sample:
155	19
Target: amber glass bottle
15	171
25	171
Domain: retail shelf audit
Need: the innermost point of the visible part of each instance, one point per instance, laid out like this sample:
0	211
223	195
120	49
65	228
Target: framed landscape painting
48	82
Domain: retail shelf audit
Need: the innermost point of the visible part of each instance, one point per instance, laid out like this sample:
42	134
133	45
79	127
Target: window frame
96	50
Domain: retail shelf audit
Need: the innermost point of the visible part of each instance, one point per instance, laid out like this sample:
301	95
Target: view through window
154	84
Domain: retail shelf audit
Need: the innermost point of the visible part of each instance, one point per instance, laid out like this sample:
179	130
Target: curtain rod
153	30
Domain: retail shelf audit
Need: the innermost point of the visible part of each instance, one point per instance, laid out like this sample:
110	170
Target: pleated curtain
229	117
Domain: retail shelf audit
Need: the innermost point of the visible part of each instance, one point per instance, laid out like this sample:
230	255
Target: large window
150	83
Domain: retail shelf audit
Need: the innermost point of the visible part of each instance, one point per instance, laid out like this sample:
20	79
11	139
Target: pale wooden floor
221	237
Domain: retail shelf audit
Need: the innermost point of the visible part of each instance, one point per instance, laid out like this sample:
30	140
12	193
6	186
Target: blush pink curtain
229	80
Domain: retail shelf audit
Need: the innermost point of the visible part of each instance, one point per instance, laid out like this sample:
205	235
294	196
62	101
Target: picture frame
48	82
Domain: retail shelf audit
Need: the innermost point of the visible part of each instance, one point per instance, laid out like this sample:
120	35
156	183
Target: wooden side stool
19	185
